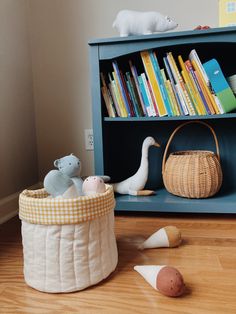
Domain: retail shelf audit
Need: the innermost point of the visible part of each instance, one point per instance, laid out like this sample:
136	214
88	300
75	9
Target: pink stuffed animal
93	185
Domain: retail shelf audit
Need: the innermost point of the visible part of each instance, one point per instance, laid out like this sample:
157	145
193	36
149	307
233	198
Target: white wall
18	156
60	30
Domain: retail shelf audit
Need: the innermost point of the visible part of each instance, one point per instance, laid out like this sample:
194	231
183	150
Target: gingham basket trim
35	207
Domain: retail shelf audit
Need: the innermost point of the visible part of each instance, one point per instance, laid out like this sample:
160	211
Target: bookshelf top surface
220	30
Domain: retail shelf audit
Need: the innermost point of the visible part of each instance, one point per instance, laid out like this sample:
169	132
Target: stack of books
179	88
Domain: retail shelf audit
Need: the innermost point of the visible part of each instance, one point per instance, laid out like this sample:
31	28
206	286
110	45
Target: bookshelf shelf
166	202
118	141
145	119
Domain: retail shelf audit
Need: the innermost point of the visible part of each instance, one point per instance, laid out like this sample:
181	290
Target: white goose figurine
134	185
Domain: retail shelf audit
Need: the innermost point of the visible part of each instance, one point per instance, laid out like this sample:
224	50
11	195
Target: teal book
219	85
161	83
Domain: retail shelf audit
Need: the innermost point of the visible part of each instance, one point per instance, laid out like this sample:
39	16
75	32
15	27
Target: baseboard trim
9	205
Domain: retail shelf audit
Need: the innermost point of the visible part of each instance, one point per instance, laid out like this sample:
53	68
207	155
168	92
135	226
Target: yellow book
212	110
179	79
173	109
206	88
193	91
172	97
153	82
119	98
196	94
108	104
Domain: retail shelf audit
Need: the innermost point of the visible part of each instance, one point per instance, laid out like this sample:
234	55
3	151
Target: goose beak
156	144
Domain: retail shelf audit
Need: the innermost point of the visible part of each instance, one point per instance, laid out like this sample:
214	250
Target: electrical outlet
88	139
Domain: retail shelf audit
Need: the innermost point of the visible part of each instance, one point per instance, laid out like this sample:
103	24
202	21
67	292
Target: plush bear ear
56	163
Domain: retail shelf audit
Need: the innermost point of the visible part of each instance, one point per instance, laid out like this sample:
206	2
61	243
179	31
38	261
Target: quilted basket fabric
66	258
37	208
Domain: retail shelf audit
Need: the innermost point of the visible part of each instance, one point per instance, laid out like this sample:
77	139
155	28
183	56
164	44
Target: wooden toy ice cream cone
165	279
168	236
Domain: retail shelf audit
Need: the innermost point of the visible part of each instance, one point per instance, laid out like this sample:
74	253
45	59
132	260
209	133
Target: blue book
132	98
219	85
122	89
161	83
144	95
135	95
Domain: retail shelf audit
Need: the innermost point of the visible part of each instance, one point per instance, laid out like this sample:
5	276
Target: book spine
179	79
153	99
111	87
148	94
144	95
172	81
173	98
196	87
153	82
172	105
212	111
136	113
118	96
191	92
128	98
193	56
160	81
121	87
206	87
135	77
107	98
182	100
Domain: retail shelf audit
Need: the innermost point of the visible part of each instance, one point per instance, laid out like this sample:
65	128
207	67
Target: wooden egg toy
93	185
165	279
169	236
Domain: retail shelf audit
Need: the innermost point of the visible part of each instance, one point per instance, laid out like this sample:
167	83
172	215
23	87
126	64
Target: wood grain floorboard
206	258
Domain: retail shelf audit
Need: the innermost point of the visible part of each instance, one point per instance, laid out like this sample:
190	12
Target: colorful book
193	56
145	97
112	90
145	82
153	82
179	80
121	88
135	77
161	83
119	96
168	86
136	100
153	99
200	98
172	81
132	95
107	98
220	85
206	87
128	98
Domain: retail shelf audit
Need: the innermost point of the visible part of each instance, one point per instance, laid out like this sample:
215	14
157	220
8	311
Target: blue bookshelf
118	141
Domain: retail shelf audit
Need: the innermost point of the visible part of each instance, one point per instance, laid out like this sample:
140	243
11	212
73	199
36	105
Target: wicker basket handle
177	129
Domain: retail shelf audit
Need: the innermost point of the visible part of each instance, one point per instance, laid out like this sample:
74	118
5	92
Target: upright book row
184	88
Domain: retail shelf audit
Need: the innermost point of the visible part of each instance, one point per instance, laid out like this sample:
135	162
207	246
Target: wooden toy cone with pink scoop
165	279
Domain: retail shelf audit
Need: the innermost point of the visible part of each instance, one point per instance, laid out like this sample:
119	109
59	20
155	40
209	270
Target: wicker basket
193	173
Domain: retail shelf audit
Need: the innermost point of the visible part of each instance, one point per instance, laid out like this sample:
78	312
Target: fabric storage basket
193	173
68	244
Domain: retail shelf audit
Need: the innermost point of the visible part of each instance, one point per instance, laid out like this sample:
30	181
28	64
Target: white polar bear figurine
142	23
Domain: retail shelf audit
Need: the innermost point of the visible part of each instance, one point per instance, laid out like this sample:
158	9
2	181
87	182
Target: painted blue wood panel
97	110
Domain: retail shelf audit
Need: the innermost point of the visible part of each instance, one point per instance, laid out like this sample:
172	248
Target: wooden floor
207	260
